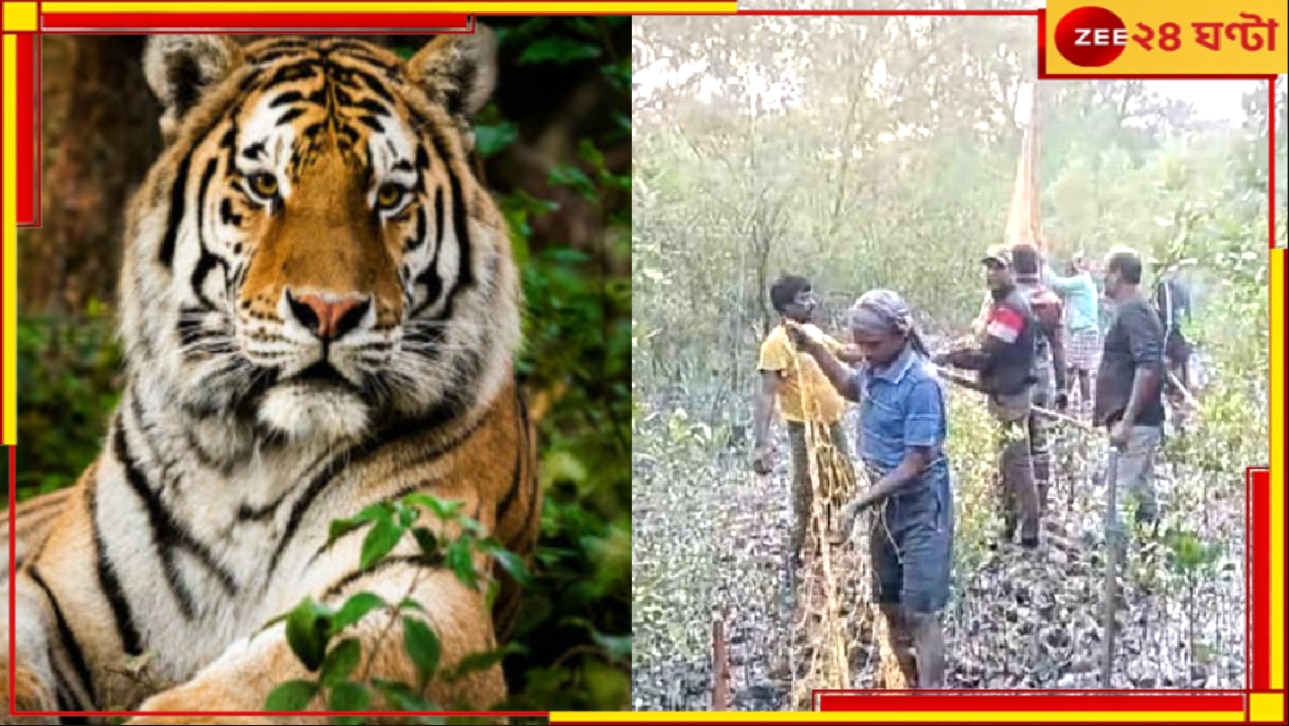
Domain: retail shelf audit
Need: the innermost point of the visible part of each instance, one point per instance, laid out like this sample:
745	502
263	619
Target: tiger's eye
264	185
389	195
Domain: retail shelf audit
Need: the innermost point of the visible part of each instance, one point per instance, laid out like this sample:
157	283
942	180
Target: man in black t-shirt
1129	400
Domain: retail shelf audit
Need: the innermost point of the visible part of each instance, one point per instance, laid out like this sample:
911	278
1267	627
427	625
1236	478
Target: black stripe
111	586
293	72
290	115
254	151
373	123
350	51
339	585
162	529
418	238
354	456
342	96
281	44
247	513
429	277
66	637
177	204
166	532
229	139
373	84
286	98
249	81
269	57
190	329
206	262
376	107
465	276
227	215
516	479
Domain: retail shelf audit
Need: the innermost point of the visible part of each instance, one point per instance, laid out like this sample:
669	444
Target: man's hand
800	335
945	359
846	518
763	460
1119	435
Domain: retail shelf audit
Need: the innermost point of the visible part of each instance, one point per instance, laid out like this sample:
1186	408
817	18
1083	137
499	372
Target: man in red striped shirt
1004	358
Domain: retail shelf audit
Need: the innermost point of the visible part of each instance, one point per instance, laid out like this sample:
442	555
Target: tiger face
313	255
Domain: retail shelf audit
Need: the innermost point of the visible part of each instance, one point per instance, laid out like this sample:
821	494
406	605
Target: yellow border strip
520	8
1071	716
9	218
1277	500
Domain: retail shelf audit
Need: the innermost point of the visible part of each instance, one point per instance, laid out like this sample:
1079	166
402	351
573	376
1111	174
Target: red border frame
1257	479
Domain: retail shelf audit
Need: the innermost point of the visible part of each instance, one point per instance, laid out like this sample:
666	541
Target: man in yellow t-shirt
808	403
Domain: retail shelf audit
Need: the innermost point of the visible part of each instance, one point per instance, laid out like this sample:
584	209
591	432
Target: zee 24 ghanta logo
1092	37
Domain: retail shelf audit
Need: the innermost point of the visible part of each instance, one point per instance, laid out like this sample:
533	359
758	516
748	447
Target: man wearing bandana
902	433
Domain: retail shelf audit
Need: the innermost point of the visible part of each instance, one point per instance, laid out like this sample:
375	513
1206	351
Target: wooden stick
1111	567
1186	394
720	667
967	383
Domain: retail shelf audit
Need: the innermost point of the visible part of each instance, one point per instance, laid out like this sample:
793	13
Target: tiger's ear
181	68
457	71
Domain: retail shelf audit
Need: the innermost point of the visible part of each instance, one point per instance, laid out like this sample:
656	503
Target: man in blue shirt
902	434
1082	322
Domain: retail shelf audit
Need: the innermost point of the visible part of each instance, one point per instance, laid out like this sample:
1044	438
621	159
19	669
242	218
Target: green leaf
476	662
491	139
510	562
423	647
307	631
355	609
406	515
340	527
291	696
411	604
379	542
460	562
470	524
558	50
443	510
428	541
340	662
271	622
349	697
401	697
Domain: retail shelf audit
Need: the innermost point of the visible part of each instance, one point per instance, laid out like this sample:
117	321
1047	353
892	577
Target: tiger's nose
328	317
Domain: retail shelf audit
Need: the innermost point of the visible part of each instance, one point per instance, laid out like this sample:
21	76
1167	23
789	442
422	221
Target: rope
819	619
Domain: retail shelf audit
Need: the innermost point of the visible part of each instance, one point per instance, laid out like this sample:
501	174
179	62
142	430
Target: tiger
319	311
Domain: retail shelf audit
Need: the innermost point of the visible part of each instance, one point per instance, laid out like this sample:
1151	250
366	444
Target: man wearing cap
1004	358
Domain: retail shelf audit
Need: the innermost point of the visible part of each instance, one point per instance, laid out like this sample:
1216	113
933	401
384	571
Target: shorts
912	547
1085	350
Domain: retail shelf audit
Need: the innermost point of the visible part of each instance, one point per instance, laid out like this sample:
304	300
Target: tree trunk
95	96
